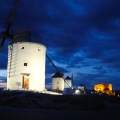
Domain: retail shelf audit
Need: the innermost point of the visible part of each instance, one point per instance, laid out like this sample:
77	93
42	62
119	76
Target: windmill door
25	82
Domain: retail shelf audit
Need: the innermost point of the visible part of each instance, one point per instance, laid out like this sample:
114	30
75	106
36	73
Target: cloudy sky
82	37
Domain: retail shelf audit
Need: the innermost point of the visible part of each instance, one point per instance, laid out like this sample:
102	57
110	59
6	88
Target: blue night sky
82	37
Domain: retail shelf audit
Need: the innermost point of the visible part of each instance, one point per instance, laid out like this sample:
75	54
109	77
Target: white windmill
26	60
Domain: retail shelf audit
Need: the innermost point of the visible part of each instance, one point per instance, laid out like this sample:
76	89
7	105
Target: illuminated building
103	88
26	66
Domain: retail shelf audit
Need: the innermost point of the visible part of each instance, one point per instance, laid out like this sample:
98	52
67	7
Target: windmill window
10	47
57	82
38	49
22	47
25	64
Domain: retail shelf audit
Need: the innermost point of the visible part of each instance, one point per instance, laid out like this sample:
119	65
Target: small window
22	47
10	47
25	64
57	82
38	49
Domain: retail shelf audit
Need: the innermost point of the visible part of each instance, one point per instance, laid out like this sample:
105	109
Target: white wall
34	55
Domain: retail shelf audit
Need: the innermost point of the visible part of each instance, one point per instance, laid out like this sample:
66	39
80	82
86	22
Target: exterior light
77	91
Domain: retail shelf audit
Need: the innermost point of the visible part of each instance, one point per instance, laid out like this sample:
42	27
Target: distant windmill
57	70
6	34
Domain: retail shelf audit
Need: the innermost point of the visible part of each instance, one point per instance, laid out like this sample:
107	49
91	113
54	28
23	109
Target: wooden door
25	82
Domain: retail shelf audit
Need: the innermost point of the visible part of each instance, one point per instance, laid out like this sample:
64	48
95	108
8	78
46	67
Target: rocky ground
28	104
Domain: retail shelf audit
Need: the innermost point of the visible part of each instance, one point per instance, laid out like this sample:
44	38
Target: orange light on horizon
104	88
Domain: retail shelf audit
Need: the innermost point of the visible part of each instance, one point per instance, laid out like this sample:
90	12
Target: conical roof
68	78
81	85
57	74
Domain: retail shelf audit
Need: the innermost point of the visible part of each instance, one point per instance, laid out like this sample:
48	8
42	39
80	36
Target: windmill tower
26	60
26	66
69	81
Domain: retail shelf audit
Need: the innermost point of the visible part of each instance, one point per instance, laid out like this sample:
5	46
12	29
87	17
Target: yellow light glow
104	88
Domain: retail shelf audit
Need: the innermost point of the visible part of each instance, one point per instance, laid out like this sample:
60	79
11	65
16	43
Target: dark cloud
77	34
113	59
98	67
50	69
